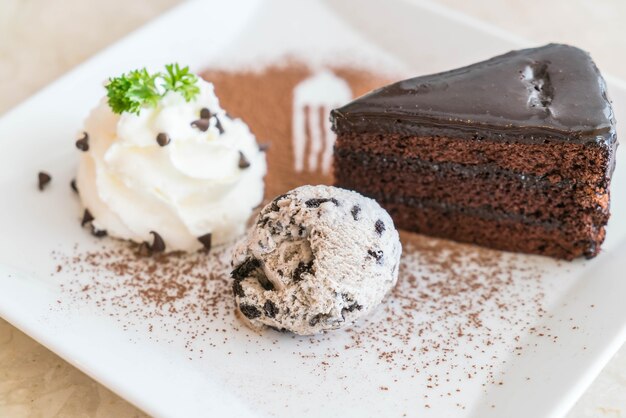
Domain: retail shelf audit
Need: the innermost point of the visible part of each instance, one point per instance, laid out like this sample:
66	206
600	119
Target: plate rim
444	11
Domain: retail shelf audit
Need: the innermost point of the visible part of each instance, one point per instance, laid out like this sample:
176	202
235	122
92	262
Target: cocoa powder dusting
263	99
175	292
456	314
452	301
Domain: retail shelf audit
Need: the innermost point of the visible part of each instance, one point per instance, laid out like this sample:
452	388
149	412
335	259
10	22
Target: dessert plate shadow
468	332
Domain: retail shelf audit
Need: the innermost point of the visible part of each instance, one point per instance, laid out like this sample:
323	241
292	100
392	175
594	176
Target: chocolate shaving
243	161
201	124
73	185
83	143
218	125
87	217
205	113
163	139
205	240
158	245
43	179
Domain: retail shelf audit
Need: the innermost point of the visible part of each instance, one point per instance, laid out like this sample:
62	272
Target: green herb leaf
138	89
181	80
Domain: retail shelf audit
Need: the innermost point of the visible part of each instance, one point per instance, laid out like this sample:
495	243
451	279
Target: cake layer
590	163
515	152
475	186
568	241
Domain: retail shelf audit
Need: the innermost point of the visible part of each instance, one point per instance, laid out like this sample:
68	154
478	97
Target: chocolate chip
144	250
379	226
249	311
43	179
205	240
378	255
315	203
201	124
238	289
243	161
301	269
98	232
244	269
205	113
356	209
218	125
87	217
83	143
264	147
270	309
158	245
163	139
73	185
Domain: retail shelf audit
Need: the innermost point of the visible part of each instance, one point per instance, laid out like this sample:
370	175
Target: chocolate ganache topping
553	91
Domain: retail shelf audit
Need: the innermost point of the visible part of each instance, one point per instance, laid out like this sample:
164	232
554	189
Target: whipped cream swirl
202	181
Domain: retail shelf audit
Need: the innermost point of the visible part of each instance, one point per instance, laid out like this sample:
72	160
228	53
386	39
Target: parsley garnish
181	80
137	89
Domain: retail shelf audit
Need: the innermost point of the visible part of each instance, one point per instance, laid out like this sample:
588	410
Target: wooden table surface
40	40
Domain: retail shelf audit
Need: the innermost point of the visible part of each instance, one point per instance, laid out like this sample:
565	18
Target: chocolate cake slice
514	153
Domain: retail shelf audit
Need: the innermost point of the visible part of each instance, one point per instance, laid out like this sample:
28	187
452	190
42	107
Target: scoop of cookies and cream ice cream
318	258
181	168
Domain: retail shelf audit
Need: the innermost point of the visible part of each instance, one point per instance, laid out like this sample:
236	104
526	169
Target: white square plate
240	373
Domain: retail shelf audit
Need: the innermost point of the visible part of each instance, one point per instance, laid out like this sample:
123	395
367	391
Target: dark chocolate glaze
554	91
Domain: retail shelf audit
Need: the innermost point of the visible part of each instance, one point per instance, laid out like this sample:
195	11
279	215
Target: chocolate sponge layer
478	187
566	241
590	163
548	199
